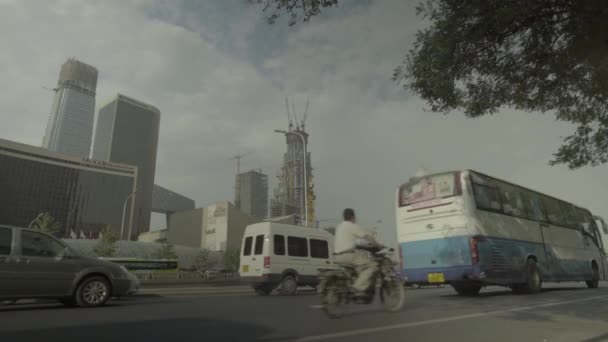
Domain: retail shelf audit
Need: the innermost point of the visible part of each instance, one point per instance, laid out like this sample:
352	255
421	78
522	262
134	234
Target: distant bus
471	230
133	264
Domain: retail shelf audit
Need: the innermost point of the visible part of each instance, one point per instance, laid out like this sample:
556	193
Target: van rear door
252	255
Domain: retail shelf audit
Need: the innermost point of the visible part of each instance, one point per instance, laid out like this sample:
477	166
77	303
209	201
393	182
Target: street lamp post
124	209
305	169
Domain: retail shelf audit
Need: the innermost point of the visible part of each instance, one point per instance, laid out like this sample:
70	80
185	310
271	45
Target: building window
319	249
297	247
279	245
247	246
259	245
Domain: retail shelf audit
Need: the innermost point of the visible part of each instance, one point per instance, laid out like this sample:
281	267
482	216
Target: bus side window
487	197
554	213
534	207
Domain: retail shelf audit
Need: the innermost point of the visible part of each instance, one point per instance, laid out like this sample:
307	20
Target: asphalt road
566	313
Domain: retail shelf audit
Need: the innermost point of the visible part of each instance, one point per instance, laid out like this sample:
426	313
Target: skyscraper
70	125
295	192
127	132
251	195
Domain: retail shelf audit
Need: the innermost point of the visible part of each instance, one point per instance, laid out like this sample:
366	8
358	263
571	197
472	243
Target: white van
282	256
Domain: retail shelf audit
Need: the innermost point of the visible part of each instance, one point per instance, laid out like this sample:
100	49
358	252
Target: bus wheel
534	280
467	289
595	281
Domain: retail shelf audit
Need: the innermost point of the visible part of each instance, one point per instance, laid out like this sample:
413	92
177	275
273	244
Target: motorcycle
335	286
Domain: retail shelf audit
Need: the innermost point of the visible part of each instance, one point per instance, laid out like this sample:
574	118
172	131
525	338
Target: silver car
37	265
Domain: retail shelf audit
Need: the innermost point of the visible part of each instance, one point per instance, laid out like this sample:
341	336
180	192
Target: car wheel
289	286
93	292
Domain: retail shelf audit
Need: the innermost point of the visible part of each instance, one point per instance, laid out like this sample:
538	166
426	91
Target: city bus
472	230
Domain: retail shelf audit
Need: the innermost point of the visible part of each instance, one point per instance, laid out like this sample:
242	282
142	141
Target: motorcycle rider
350	249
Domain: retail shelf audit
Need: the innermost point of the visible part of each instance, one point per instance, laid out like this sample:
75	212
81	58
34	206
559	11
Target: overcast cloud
220	74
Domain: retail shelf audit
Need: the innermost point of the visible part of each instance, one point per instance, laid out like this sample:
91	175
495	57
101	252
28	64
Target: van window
6	238
247	247
39	245
297	247
319	249
279	245
259	245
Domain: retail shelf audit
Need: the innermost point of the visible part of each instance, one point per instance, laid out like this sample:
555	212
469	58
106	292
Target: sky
220	74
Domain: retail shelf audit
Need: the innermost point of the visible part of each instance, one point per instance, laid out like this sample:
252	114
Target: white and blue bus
471	230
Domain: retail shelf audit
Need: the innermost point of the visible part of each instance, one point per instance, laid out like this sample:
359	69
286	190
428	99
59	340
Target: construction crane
288	113
303	125
238	158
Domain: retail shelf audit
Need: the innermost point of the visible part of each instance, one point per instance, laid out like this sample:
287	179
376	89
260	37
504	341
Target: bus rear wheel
594	283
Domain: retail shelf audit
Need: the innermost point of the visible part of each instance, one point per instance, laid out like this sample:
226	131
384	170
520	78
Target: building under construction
294	194
251	193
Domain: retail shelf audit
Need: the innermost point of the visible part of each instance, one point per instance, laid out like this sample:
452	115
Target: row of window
296	246
32	244
496	196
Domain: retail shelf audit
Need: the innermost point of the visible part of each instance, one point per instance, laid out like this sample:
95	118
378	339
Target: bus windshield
429	188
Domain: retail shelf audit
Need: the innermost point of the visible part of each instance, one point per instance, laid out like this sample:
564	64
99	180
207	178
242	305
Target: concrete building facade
69	128
218	227
127	132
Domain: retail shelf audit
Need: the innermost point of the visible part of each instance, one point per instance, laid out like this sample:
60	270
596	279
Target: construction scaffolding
294	194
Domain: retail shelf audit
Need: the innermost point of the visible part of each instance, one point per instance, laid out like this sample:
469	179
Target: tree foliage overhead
295	9
479	56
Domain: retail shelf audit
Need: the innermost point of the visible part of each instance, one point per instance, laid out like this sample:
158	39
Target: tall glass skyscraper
127	133
70	127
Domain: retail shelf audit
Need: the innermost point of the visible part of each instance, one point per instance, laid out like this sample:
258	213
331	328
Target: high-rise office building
85	197
70	125
251	195
127	132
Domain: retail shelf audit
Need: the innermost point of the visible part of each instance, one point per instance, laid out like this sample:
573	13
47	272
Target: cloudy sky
219	74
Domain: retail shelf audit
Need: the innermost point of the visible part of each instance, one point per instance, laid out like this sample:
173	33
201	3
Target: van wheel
262	290
289	286
594	283
93	291
534	280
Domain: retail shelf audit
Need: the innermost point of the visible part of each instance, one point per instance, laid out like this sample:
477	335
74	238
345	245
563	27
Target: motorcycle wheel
392	295
333	301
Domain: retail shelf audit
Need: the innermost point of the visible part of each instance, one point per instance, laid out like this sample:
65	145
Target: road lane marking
438	320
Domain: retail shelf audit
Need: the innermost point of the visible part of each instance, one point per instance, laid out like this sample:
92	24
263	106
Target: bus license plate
245	268
436	278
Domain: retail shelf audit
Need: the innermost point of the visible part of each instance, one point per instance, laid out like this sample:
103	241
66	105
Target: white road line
438	320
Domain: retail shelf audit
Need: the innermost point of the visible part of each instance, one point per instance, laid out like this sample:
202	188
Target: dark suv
37	265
